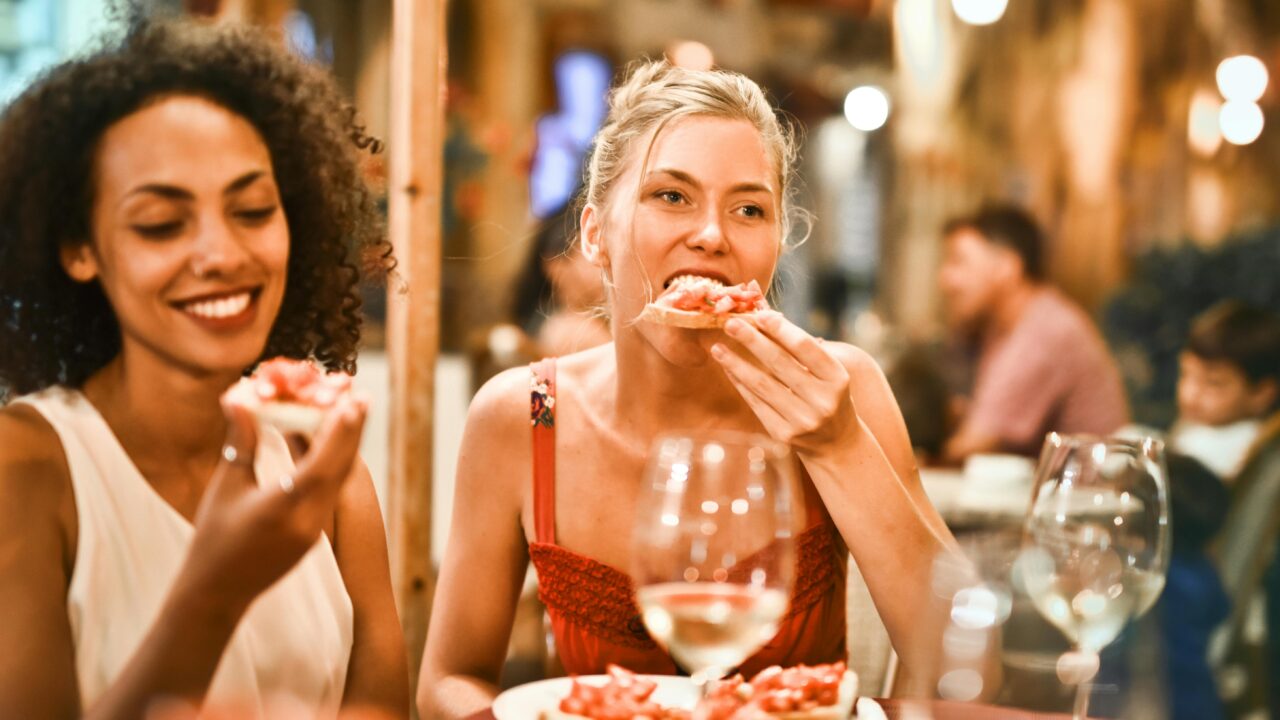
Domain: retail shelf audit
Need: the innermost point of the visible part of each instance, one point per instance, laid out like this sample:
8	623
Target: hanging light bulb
979	12
866	108
1243	78
1241	122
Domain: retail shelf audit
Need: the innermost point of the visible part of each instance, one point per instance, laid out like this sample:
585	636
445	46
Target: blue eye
671	196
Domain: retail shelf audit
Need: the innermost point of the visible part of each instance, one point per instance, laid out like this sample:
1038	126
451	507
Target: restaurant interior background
1106	118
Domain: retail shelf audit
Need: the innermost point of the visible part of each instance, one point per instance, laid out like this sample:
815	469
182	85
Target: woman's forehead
712	150
179	140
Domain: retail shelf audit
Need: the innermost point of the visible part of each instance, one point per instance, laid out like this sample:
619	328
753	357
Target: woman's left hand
798	390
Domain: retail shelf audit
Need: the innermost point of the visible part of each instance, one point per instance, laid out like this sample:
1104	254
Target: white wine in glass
713	554
1096	541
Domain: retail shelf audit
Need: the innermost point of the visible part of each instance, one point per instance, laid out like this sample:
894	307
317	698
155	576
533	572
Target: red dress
592	605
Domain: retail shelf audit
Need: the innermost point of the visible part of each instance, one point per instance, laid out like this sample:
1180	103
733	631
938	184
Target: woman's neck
157	409
653	394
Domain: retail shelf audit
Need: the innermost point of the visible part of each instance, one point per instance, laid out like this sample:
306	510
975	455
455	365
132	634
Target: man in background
1042	365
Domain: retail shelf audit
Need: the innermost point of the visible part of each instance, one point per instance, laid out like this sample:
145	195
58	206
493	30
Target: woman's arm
486	558
832	404
378	674
245	539
37	665
38	670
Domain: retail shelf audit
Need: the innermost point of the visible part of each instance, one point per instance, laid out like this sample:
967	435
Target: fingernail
717	350
733	327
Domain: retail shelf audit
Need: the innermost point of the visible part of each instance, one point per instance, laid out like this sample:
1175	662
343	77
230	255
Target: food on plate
291	395
693	301
803	692
624	696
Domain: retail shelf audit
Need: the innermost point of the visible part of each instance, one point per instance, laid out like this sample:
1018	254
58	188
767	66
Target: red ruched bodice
592	605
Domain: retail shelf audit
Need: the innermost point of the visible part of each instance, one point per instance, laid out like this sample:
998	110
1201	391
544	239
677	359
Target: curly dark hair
57	331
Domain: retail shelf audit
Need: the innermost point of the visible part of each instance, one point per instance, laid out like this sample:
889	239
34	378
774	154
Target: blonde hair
655	93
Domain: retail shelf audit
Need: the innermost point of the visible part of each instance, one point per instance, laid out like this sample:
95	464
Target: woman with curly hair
174	207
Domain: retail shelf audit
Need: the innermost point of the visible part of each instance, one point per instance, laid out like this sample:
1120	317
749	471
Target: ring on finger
234	456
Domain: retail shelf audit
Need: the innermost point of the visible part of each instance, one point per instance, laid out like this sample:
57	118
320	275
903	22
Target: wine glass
714	555
1096	542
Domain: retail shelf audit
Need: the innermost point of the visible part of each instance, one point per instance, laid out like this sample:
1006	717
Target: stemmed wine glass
1096	540
714	556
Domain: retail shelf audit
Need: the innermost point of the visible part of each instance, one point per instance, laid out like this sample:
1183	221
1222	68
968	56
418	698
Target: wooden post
413	314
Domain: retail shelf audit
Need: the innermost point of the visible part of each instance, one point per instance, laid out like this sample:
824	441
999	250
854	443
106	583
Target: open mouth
687	278
220	306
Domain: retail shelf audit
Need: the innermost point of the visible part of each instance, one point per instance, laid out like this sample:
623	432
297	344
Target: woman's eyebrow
176	192
685	177
243	181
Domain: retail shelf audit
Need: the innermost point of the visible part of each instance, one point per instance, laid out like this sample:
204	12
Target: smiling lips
220	311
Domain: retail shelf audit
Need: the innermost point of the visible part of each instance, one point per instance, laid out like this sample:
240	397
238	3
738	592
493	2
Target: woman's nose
216	251
710	236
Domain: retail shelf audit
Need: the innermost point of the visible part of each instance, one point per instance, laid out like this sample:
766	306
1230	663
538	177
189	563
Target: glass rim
1052	438
740	438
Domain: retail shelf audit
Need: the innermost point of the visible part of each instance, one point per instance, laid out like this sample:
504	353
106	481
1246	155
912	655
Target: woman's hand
248	536
797	389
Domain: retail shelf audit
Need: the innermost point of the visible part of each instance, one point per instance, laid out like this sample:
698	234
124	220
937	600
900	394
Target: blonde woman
690	175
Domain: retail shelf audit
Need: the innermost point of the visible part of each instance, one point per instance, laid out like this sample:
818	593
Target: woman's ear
593	247
79	261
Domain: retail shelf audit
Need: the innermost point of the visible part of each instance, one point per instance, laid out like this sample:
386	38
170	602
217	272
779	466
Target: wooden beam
418	56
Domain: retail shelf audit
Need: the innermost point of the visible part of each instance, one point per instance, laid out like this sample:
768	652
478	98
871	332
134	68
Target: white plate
524	702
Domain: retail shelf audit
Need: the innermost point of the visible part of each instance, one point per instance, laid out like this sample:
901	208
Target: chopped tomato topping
297	381
707	296
624	697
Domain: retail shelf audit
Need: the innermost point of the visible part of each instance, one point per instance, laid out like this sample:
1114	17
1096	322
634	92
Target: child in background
1228	386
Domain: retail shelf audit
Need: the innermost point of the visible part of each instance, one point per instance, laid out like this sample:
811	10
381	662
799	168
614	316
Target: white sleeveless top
292	645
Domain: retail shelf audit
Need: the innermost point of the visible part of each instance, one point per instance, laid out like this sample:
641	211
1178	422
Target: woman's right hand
248	536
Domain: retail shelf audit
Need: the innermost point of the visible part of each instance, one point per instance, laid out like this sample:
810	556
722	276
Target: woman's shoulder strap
542	418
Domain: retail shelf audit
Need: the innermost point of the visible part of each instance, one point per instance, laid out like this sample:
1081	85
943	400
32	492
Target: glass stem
1080	710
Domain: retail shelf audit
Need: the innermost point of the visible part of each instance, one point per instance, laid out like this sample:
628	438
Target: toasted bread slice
291	418
292	396
689	319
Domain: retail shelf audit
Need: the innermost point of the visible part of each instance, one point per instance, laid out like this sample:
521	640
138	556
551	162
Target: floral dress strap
542	417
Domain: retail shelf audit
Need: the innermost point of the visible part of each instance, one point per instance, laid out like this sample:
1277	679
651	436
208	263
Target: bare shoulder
858	362
30	451
496	451
500	409
35	483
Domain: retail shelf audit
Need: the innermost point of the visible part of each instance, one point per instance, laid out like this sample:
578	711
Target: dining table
902	709
967	504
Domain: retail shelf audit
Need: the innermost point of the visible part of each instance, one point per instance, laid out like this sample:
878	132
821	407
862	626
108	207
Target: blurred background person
560	299
1041	365
1228	385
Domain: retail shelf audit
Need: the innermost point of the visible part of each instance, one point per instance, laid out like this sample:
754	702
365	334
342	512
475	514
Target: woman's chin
688	349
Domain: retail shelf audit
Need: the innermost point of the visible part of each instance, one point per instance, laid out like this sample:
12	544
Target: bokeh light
1242	78
979	12
691	54
1241	122
866	108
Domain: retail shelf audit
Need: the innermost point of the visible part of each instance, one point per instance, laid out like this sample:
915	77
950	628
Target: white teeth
219	308
682	279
